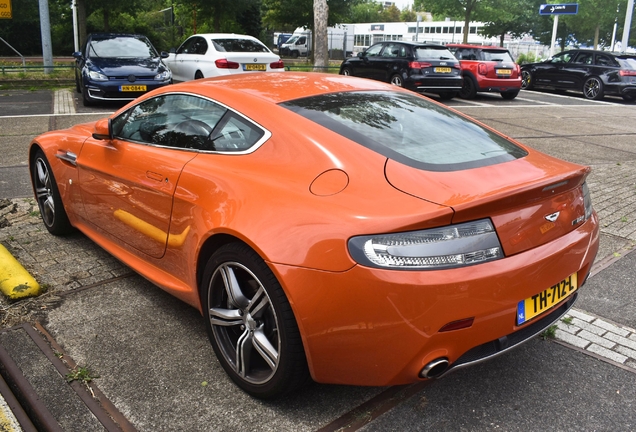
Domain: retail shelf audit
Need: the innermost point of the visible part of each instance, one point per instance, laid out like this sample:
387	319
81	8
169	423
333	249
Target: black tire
509	95
48	197
246	310
78	88
346	71
295	54
87	101
527	80
447	95
593	88
469	88
198	75
397	80
629	98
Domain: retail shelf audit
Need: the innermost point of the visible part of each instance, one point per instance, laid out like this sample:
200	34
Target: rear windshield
409	129
432	53
238	45
627	62
497	55
121	47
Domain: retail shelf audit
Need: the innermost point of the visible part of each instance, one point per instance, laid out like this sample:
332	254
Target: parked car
215	54
381	239
487	69
298	45
595	73
416	66
281	39
118	67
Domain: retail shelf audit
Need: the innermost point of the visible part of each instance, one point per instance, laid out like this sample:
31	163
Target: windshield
408	129
497	55
291	40
432	53
121	47
238	45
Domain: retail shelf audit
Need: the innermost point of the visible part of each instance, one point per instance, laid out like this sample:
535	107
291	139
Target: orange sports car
327	226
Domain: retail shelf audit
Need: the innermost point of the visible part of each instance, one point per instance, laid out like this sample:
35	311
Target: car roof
224	36
113	35
415	44
489	47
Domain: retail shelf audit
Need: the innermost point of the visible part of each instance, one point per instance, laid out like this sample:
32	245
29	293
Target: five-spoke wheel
48	196
593	88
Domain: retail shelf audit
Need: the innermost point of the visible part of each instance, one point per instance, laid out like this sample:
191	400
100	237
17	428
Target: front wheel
48	197
527	80
250	323
397	80
593	88
346	71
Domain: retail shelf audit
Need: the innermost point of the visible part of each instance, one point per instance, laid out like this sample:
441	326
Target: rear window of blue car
409	129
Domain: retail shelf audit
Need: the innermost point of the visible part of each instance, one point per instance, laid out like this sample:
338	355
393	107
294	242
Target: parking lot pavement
154	370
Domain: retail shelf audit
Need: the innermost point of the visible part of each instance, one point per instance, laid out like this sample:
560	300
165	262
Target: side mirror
361	55
164	54
77	55
103	130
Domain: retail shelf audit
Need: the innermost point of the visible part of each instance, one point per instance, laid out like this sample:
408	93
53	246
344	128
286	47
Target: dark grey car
595	73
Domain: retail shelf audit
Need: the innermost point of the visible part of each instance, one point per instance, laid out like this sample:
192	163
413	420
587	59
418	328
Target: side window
195	45
391	50
235	133
584	58
562	58
604	60
180	121
374	51
302	41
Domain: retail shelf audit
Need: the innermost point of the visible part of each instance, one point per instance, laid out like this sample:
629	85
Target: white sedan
215	54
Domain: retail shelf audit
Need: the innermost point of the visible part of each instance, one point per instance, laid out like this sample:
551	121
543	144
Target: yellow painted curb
15	281
8	422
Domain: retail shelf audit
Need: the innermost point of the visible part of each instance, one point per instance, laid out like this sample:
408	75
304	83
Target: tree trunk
502	37
320	36
596	37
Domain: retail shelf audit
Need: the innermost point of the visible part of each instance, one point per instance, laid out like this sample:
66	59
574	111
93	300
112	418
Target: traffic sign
5	9
559	9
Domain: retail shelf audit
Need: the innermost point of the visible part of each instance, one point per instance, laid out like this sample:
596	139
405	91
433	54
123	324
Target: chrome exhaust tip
435	368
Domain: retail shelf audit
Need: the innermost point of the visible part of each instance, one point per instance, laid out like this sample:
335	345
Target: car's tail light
627	72
438	248
587	201
226	64
419	65
482	69
277	65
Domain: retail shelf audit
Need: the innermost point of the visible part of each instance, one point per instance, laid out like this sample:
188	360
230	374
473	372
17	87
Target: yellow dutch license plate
442	70
255	67
539	303
503	71
132	88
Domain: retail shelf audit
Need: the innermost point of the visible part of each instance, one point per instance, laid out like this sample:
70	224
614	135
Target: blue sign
559	9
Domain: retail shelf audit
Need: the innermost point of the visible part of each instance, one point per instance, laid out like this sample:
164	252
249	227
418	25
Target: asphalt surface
157	372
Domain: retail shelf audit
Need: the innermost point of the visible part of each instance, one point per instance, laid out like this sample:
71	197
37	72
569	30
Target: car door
573	73
367	67
555	71
187	58
392	60
127	183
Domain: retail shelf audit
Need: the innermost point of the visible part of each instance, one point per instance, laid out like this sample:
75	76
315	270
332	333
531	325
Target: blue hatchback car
118	67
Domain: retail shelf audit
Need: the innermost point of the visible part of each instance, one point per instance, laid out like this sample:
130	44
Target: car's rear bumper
499	84
422	83
381	327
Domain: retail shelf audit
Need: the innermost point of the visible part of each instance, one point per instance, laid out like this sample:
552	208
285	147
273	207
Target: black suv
595	73
416	66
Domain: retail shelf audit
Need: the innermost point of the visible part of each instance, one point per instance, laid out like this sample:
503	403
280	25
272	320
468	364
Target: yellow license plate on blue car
132	88
539	303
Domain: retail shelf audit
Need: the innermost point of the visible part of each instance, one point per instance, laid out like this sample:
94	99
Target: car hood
126	66
520	196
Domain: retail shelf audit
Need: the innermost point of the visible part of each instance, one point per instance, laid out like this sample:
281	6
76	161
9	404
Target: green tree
408	15
366	11
501	17
390	14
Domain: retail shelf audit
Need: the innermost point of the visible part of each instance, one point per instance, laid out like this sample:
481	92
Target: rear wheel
509	95
346	71
593	88
629	98
48	196
295	54
250	323
527	80
397	80
447	95
469	88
